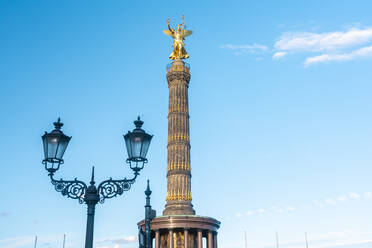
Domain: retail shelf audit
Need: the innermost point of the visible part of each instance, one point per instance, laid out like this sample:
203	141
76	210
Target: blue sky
280	106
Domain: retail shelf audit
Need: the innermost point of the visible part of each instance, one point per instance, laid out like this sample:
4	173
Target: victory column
179	227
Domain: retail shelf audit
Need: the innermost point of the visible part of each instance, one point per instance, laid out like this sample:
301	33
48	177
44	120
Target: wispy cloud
326	47
279	55
331	240
5	214
249	213
108	246
354	195
359	53
327	240
290	208
238	215
23	241
367	195
341	198
16	241
333	46
316	42
329	201
245	48
318	203
116	242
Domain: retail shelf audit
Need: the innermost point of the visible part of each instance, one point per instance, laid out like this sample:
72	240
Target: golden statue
179	51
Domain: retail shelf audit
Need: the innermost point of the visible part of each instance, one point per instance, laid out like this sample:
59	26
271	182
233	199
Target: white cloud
324	41
330	201
329	46
318	203
367	195
346	45
353	195
324	240
279	55
290	208
362	52
277	209
17	241
248	213
5	214
254	48
116	241
23	241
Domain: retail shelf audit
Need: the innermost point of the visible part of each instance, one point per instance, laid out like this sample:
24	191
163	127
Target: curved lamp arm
112	188
74	189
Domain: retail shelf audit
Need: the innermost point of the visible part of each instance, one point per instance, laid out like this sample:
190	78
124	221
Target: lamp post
144	237
55	144
149	215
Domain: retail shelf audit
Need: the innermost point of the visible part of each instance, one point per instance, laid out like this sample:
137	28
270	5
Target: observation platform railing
177	67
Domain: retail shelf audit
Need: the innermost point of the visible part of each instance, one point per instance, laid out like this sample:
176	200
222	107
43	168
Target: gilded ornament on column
178	35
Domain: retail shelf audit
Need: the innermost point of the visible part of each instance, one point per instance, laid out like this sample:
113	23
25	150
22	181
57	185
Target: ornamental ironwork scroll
74	189
112	188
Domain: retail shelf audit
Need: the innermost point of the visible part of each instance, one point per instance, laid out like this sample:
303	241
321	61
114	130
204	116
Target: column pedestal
183	231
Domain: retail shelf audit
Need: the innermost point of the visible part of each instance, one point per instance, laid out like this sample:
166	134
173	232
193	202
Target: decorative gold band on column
186	167
178	137
178	197
178	109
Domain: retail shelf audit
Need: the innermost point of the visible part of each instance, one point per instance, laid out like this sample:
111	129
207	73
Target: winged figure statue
178	35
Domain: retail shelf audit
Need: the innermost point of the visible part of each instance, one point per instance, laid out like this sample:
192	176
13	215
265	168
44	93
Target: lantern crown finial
58	124
138	123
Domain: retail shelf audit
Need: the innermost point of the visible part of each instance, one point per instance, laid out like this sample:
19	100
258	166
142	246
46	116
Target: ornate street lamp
137	143
55	144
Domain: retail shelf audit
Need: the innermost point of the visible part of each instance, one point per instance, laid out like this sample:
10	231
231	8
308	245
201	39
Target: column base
178	209
171	230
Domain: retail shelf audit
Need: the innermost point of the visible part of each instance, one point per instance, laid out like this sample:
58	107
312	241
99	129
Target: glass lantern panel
127	144
136	145
52	142
45	146
63	142
145	145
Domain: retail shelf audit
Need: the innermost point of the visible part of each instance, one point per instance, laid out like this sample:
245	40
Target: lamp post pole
55	144
148	216
91	199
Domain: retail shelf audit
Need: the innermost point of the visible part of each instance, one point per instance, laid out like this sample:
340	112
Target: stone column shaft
178	164
210	239
200	239
186	236
157	239
171	239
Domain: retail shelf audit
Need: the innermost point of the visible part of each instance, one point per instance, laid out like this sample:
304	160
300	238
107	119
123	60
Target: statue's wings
168	32
186	33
